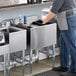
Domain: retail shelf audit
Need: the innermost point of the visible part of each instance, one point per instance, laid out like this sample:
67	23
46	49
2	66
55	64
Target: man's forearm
48	17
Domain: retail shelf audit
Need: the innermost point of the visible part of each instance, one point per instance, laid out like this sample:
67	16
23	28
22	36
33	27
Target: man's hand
48	17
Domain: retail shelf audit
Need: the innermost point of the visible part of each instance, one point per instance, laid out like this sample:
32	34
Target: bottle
21	19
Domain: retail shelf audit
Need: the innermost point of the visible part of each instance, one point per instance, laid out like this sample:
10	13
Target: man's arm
48	17
57	4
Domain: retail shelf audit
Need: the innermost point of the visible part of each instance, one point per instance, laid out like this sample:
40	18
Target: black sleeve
57	4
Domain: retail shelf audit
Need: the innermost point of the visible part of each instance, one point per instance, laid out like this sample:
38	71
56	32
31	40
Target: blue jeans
68	44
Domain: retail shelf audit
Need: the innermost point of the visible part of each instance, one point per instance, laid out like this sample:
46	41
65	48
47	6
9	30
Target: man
68	36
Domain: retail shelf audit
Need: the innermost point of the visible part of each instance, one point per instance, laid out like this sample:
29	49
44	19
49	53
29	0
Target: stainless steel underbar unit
43	36
39	37
4	50
16	41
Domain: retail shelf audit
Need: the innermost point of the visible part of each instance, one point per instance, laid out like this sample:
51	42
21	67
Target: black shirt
62	5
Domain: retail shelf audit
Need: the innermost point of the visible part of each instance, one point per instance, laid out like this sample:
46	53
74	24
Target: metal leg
30	62
6	65
23	63
37	55
48	52
5	73
53	56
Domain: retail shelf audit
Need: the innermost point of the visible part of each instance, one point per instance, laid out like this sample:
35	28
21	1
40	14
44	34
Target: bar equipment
12	39
39	37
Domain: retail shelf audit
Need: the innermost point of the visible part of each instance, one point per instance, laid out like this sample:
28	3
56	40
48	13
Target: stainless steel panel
17	40
4	49
2	38
43	36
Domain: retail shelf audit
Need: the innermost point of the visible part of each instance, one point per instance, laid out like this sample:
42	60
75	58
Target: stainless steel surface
4	49
53	56
23	63
40	37
43	36
6	64
17	40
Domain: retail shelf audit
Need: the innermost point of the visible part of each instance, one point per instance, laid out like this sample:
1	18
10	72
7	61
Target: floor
38	67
